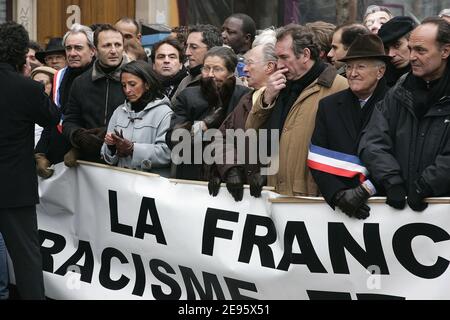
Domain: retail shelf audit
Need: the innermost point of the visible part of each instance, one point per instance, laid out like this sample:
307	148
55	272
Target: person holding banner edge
341	117
406	145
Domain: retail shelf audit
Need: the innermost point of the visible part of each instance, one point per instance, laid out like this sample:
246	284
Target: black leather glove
351	200
88	142
235	183
363	212
42	165
214	185
396	195
215	118
124	146
256	182
419	192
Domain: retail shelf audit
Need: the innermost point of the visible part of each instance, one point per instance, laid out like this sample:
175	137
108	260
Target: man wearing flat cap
54	55
395	35
406	145
341	117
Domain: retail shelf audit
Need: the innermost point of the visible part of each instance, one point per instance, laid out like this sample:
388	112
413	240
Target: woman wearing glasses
204	107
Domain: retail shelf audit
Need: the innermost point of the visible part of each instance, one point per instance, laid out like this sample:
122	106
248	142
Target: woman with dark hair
137	129
204	107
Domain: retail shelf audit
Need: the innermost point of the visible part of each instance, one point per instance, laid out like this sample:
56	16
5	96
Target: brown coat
293	177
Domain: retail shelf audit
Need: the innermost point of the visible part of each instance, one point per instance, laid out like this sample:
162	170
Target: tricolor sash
336	163
57	80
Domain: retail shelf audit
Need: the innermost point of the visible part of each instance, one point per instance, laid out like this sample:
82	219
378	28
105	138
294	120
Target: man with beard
201	38
204	107
80	51
94	97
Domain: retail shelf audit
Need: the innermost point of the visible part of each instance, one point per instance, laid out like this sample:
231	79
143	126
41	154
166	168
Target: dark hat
54	46
396	28
366	46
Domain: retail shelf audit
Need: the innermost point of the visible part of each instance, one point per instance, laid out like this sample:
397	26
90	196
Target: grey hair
266	36
78	28
268	52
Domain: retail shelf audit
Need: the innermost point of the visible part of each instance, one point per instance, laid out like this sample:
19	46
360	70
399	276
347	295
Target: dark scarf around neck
290	94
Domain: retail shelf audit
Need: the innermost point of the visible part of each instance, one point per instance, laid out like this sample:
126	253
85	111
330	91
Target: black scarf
290	94
427	93
170	85
361	116
69	77
196	71
142	102
393	74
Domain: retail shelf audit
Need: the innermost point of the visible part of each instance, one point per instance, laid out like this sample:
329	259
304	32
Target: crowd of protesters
360	109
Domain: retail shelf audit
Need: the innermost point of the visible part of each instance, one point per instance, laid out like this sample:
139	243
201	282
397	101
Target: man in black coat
406	145
94	97
80	51
23	104
395	35
341	117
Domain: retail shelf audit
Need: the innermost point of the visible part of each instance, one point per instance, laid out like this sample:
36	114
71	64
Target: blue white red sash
336	163
57	80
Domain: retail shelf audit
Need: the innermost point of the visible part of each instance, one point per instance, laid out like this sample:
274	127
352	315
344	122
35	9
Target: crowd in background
360	109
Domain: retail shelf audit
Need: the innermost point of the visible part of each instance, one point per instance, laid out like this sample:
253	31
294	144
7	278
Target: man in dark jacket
168	64
341	117
201	38
94	97
395	35
406	145
80	51
24	103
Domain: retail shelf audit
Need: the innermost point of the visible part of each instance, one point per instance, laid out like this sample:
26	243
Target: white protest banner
108	233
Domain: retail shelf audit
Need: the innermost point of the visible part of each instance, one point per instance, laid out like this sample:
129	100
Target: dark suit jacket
339	123
23	103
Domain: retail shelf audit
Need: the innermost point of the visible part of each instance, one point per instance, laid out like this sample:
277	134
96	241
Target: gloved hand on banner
42	165
351	200
396	196
417	194
88	141
235	183
257	182
214	185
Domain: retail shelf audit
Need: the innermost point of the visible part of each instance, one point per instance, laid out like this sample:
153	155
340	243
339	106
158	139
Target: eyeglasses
194	47
215	70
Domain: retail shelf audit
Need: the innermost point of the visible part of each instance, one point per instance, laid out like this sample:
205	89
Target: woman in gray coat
136	132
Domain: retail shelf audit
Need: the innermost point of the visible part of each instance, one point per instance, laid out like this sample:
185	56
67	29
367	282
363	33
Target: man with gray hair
289	104
78	43
260	64
341	117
